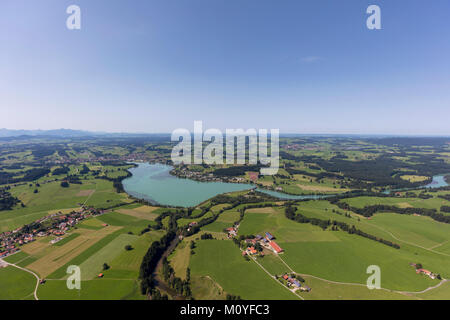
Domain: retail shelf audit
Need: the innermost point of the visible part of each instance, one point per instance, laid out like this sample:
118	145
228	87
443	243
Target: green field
52	196
222	261
281	227
347	260
432	203
332	262
16	284
98	289
339	256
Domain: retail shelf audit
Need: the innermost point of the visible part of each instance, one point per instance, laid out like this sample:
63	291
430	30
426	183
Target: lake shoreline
156	184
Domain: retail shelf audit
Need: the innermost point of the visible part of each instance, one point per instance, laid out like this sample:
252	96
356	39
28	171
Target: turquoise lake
154	183
437	182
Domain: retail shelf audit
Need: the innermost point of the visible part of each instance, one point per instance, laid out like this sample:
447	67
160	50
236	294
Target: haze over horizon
300	66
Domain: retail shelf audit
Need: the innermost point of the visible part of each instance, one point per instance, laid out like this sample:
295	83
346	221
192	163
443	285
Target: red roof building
427	272
275	247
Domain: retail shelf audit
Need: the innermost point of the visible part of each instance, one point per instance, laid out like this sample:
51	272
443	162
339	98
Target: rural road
264	269
363	285
34	274
410	243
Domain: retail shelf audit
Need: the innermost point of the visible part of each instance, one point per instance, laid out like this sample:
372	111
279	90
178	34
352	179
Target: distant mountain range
69	133
57	132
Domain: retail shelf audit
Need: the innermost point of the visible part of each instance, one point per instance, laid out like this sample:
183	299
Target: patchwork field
332	262
60	255
142	212
89	248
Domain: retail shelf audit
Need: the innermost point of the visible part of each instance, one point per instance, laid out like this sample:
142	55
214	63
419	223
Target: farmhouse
275	247
251	250
426	272
269	236
232	232
295	283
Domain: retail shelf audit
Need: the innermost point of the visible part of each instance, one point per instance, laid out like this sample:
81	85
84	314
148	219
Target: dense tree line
7	201
445	197
206	236
117	182
236	170
445	209
382	171
182	287
150	260
85	169
253	197
29	175
72	178
369	211
61	170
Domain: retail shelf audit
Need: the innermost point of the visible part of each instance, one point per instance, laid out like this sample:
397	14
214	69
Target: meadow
338	256
16	284
222	261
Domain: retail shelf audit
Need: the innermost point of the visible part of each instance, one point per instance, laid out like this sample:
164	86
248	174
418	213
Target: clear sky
303	66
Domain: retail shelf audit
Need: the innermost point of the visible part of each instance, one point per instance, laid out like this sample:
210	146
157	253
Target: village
56	224
185	173
254	246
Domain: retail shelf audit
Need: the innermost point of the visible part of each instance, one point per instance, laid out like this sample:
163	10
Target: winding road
29	271
363	285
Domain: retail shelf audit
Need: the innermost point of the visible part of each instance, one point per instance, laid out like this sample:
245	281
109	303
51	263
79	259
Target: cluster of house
294	283
424	271
266	242
89	158
10	241
184	172
232	231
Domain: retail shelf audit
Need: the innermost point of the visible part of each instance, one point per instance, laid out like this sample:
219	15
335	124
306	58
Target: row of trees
291	214
369	211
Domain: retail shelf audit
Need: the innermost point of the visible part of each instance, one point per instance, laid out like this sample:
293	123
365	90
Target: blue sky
154	66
